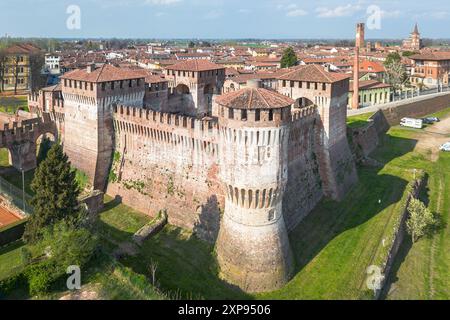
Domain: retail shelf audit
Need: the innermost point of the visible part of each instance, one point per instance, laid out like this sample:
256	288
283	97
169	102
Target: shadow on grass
374	193
186	265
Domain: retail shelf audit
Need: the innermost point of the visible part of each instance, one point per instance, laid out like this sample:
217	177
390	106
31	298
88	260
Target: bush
11	283
40	277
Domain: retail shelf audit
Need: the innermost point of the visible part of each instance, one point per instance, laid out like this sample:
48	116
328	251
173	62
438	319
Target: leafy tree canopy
289	58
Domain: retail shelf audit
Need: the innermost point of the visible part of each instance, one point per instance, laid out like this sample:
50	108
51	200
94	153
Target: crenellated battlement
25	130
306	112
129	113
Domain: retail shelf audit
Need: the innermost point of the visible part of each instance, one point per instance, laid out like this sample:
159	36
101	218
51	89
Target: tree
289	58
393	57
420	219
62	245
3	68
15	71
37	80
56	193
395	71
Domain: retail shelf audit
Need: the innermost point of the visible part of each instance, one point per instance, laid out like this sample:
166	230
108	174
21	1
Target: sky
223	19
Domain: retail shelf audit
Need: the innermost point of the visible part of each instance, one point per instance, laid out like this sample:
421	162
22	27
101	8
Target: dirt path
433	137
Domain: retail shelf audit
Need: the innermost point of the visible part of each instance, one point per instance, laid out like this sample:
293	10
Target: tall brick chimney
358	45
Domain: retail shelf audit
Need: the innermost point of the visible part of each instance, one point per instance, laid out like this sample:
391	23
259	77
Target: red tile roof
22	48
195	65
432	56
371	66
149	76
254	98
371	84
313	73
105	73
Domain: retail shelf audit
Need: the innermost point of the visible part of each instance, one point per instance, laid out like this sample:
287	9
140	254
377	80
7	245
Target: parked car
412	123
445	147
430	120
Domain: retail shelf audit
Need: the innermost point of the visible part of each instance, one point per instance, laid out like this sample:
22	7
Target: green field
359	120
4	157
422	270
10	259
12	104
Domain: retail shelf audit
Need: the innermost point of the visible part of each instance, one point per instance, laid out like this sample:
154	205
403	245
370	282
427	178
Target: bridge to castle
21	134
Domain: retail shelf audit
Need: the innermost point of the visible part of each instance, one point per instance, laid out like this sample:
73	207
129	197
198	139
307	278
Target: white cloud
340	11
296	13
292	10
391	14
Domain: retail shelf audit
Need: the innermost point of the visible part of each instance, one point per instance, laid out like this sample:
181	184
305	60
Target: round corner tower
253	248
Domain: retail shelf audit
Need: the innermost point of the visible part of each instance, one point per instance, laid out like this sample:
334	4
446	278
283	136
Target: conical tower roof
254	98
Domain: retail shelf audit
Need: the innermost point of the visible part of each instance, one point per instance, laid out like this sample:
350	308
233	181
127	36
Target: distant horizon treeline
62	44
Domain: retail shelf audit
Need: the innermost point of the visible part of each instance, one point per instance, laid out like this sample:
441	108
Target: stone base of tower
254	258
338	170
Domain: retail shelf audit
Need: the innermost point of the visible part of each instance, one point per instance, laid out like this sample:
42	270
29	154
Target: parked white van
412	123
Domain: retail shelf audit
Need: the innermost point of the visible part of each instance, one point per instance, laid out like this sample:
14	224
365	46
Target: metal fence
16	196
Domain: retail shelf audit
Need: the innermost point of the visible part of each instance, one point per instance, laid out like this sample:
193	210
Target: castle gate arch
303	102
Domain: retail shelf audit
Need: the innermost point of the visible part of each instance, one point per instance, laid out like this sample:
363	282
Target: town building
430	69
371	93
17	71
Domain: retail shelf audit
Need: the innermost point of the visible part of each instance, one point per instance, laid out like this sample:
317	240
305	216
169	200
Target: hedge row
12	232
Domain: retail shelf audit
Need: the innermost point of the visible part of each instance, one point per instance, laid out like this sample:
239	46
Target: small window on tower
230	113
244	114
257	115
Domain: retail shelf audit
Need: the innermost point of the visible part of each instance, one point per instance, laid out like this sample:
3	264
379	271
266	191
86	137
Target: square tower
89	95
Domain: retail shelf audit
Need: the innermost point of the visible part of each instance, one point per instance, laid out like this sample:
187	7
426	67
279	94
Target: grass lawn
118	222
10	259
441	114
359	120
4	157
422	269
15	178
12	104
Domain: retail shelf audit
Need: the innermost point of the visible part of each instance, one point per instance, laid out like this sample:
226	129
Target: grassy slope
422	270
359	120
12	104
10	259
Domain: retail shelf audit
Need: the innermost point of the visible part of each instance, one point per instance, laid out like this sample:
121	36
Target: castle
240	169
